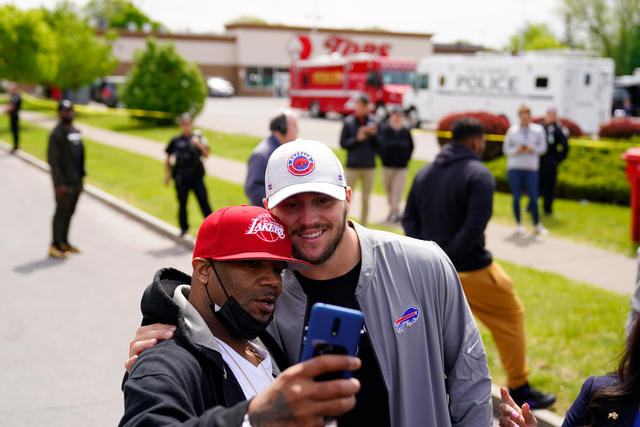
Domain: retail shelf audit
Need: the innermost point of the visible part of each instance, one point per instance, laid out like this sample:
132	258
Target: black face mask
236	319
66	120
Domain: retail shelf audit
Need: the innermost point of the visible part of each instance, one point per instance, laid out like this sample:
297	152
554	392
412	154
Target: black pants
183	186
65	206
15	129
548	174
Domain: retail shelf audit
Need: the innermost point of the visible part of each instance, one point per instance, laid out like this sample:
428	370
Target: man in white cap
423	361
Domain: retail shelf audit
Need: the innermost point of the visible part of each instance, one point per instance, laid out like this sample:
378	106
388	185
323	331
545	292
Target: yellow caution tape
579	142
47	103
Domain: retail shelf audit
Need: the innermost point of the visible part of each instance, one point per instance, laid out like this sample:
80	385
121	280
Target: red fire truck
333	84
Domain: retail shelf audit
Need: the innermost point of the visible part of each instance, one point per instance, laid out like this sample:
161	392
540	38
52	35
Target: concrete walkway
572	260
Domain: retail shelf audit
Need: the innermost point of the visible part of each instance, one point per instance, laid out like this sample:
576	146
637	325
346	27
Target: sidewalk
572	260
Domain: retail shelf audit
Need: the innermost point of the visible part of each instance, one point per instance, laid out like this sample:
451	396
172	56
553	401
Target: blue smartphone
332	330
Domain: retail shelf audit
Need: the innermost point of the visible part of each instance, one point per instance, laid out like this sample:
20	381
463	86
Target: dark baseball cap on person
396	109
65	104
244	233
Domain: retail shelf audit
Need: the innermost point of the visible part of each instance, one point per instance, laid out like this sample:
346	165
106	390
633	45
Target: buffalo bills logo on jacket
300	164
407	319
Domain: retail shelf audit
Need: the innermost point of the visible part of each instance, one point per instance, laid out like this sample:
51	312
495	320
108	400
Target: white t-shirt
252	379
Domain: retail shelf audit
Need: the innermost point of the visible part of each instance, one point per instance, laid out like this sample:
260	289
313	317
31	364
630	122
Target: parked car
220	87
105	90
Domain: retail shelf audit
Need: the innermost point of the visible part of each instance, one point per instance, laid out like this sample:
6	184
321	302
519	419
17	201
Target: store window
262	77
542	82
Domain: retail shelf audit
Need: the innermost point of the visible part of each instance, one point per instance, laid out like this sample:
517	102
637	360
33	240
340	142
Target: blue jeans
519	179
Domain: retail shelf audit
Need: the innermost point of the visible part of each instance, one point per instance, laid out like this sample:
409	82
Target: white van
580	87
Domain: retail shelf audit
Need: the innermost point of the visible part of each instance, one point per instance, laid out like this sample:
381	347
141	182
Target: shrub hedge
574	129
620	128
596	174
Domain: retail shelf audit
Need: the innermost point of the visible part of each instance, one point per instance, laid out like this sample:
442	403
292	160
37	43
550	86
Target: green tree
82	55
535	37
161	80
118	14
610	26
27	46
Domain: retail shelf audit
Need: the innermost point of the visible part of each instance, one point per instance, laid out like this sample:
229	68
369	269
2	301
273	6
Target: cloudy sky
488	22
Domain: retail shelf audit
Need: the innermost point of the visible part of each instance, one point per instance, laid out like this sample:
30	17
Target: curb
128	210
545	417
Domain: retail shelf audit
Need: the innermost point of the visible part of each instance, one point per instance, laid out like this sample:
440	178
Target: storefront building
255	58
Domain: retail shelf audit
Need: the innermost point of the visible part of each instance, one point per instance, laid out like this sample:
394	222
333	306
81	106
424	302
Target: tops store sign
301	47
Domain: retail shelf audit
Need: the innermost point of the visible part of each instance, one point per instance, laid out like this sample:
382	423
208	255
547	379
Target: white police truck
580	87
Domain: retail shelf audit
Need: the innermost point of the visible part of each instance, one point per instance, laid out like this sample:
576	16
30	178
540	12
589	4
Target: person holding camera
188	149
360	138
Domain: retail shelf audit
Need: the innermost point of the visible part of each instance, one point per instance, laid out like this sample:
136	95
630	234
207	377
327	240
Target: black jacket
450	202
359	154
396	146
179	382
557	145
66	156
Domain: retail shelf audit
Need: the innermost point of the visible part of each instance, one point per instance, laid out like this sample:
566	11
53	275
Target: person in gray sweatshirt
523	146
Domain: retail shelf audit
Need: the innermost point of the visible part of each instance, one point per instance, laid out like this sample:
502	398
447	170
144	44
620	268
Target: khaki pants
366	175
493	300
394	180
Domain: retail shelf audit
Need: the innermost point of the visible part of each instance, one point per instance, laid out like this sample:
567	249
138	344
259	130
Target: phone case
333	328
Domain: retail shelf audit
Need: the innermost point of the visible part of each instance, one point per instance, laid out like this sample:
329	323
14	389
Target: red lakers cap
244	232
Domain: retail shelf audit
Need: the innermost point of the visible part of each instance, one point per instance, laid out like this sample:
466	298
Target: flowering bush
574	129
494	124
620	128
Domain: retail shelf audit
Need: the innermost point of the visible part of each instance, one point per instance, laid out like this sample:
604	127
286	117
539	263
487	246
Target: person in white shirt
523	146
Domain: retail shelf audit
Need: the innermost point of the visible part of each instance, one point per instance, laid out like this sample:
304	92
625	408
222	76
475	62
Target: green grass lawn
574	329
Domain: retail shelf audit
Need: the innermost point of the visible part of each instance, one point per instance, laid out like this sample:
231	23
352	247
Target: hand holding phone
332	330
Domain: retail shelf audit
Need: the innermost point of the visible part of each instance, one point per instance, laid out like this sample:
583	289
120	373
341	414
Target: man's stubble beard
331	247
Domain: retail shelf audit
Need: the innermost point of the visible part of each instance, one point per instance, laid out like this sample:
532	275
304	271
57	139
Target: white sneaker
521	230
541	230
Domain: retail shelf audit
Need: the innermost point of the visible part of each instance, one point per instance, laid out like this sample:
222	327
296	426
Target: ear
265	203
201	270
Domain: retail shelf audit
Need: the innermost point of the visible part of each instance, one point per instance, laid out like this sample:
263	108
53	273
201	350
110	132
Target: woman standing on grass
608	400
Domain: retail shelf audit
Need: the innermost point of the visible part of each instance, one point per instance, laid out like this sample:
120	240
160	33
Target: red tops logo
300	47
345	47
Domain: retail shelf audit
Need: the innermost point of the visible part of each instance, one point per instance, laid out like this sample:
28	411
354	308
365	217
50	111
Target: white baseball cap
303	166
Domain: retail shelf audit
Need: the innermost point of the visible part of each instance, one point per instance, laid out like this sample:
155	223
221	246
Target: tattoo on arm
276	411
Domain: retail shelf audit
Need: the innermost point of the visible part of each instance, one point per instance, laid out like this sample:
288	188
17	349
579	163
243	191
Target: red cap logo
266	228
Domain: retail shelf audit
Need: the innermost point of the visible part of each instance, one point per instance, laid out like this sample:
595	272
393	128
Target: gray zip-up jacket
532	136
434	364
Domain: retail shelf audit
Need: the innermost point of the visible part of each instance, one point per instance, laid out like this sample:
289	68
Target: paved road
65	325
251	116
576	261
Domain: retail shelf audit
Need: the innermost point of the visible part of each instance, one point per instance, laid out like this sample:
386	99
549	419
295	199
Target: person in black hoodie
214	371
396	147
450	202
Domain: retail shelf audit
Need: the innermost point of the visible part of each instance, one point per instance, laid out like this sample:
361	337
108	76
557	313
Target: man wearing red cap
214	371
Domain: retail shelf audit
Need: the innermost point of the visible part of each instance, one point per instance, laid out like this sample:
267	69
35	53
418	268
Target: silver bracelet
246	422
